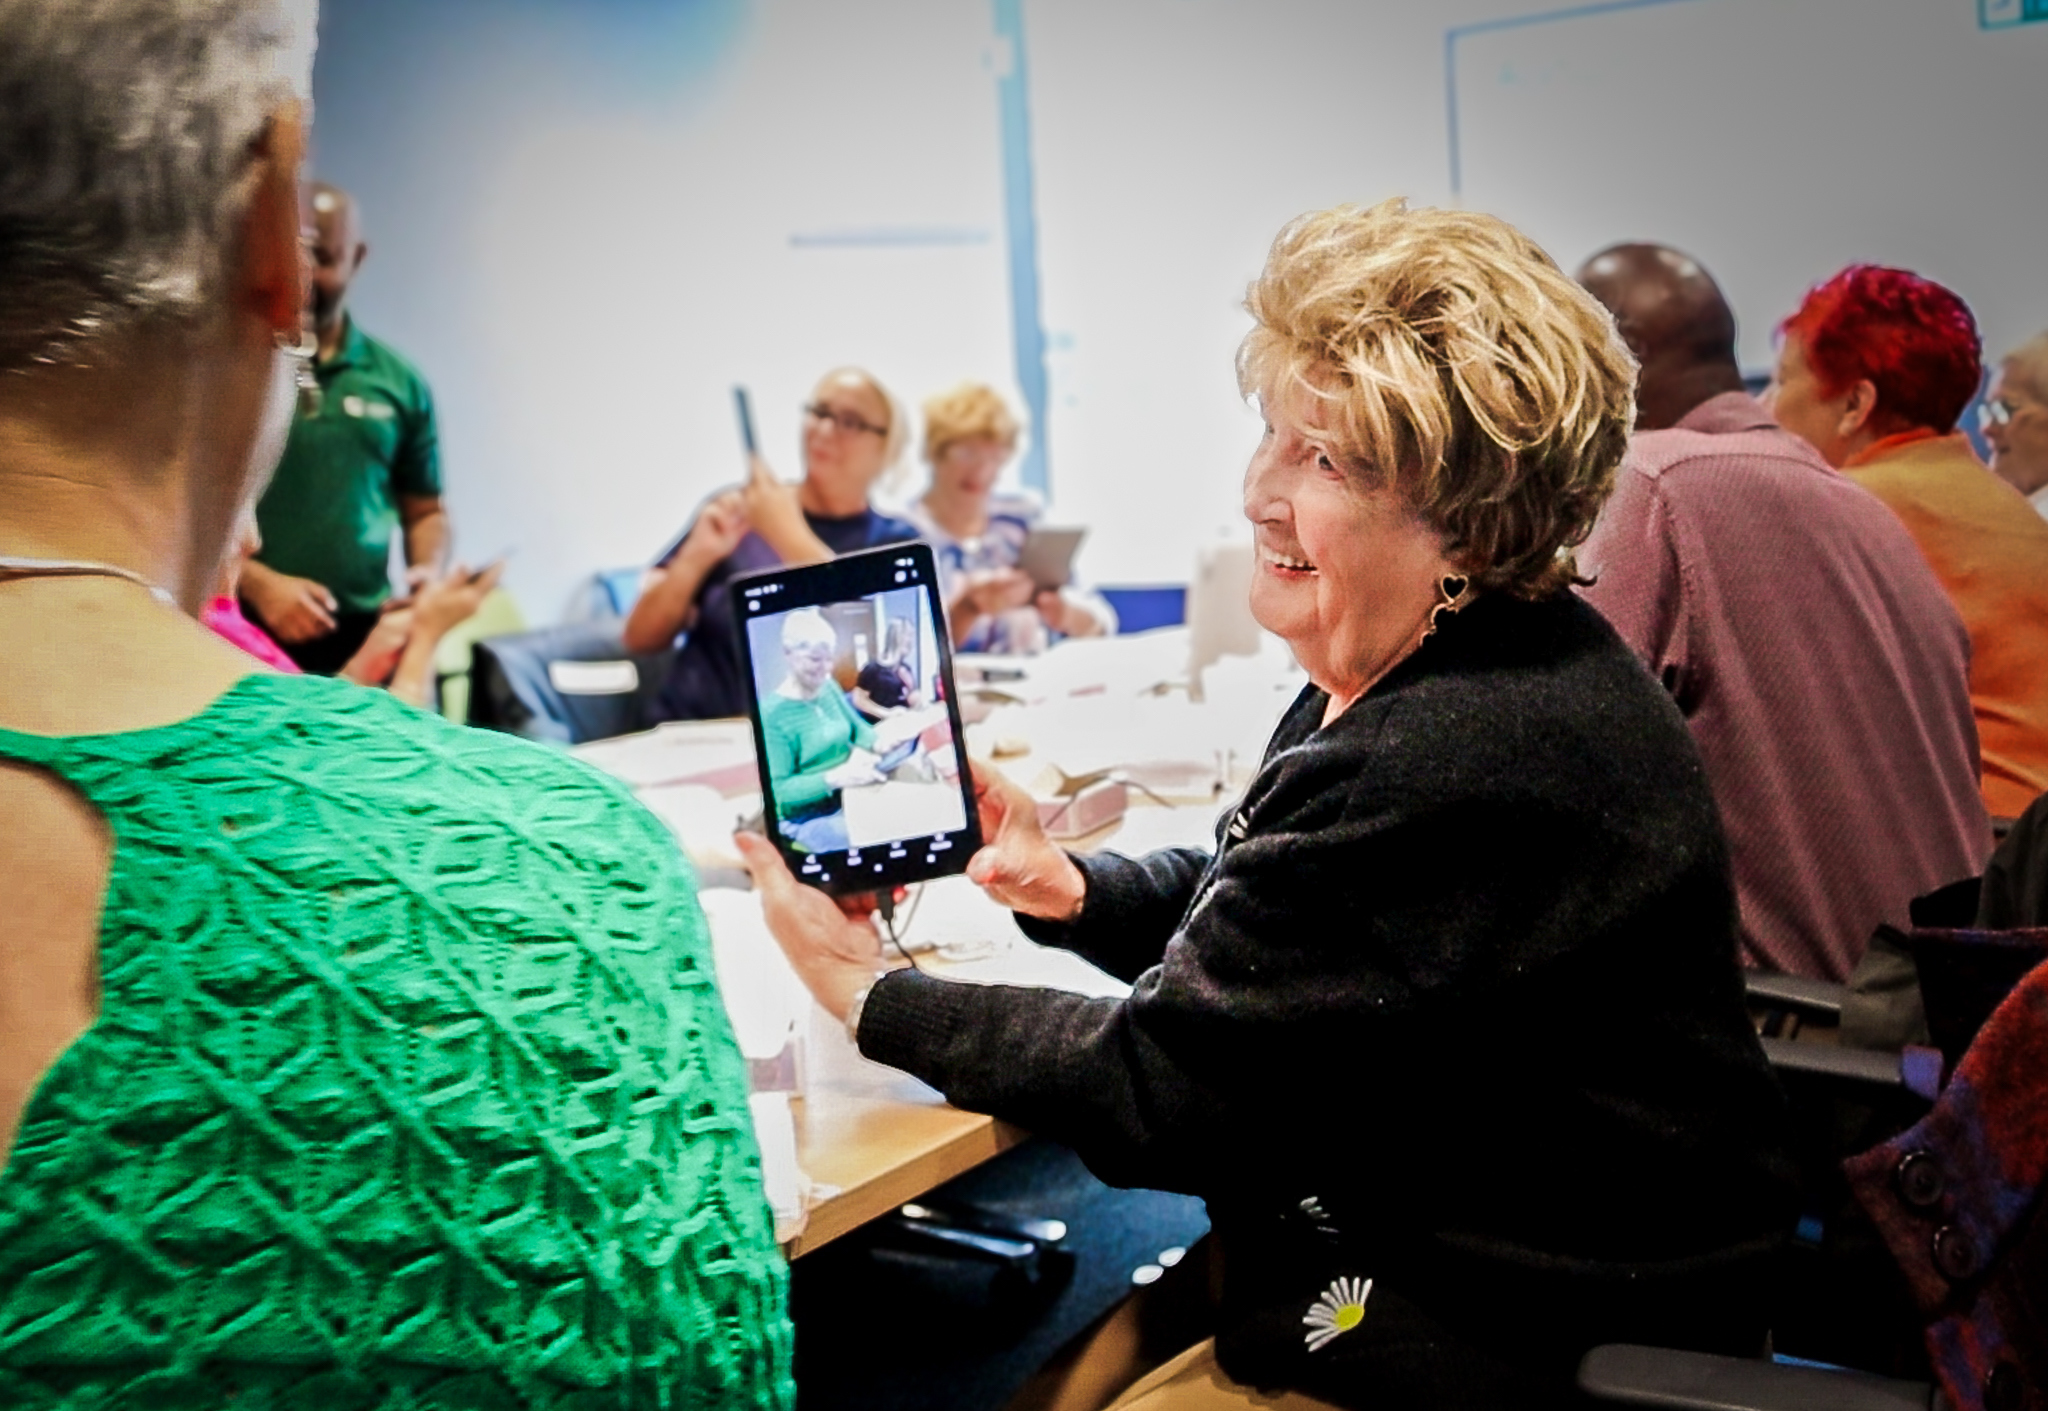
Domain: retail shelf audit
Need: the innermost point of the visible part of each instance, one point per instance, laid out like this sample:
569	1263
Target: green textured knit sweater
410	1088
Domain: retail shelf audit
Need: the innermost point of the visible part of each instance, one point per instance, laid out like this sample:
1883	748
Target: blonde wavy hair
1456	361
972	411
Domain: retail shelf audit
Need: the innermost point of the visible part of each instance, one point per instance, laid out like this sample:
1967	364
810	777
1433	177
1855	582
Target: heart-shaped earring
1453	592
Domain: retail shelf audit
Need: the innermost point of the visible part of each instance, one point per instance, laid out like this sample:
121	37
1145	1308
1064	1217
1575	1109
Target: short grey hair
807	627
125	129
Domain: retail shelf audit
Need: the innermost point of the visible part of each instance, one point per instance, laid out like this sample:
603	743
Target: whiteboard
1774	140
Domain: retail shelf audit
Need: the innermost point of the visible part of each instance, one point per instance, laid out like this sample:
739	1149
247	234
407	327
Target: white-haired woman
348	1058
854	432
1447	1030
811	732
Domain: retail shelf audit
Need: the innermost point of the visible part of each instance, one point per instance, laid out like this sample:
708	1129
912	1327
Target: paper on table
717	752
954	913
702	820
763	997
882	813
1112	666
1166	743
775	1134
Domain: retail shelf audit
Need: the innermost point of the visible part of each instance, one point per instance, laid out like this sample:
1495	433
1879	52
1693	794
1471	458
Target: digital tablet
1047	557
855	804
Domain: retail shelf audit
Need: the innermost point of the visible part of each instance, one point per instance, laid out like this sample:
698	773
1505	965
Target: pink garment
1821	666
224	616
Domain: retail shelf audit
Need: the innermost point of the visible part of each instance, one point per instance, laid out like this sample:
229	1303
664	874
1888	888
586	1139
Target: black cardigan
1454	1007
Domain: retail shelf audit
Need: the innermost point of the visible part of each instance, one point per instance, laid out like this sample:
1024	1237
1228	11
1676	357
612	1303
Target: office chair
496	616
564	685
1955	1200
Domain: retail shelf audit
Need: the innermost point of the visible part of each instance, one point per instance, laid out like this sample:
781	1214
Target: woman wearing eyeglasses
853	432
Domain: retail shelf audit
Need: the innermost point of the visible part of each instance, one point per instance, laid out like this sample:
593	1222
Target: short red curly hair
1915	340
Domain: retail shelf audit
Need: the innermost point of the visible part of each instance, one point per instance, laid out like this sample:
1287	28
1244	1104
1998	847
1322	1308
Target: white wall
1776	142
582	211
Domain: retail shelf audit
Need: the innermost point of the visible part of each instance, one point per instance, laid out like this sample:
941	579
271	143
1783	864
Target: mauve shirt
1821	666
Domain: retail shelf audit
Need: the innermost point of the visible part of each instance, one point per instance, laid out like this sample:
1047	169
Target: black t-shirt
887	686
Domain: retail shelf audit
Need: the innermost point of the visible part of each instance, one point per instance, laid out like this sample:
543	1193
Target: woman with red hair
1874	369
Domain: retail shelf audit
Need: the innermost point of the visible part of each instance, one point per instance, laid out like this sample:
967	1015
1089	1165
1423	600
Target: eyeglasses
1996	412
844	421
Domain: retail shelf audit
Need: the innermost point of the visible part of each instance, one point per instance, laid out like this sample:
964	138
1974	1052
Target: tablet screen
855	720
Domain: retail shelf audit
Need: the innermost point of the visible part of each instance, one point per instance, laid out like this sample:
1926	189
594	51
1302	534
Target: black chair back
1965	975
564	685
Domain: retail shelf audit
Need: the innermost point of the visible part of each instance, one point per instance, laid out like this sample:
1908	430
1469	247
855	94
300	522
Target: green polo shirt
332	508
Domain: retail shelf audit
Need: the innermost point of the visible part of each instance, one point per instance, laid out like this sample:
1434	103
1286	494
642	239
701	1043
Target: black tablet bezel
854	576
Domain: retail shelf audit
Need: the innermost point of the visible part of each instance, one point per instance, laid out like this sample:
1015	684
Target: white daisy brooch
1338	1309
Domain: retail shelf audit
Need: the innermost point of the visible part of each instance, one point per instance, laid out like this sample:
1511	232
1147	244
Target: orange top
1989	548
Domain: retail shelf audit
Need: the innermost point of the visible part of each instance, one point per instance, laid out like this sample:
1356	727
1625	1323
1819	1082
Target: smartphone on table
857	805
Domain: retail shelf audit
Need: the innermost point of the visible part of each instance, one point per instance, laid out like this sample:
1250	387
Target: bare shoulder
55	855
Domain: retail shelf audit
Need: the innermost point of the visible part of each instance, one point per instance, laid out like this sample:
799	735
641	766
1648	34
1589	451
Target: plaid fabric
1957	1198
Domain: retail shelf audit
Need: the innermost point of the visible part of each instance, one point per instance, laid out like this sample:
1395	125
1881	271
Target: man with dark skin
1674	319
362	461
1813	653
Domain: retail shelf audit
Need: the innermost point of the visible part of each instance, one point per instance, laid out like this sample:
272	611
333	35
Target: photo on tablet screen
860	760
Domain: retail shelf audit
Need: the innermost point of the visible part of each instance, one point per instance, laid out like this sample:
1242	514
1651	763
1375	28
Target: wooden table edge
952	1155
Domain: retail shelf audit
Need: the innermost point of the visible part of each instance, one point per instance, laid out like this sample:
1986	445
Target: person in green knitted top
811	732
349	1059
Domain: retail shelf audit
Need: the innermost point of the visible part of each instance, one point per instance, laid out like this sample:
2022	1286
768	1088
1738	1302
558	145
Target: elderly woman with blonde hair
977	533
1447	1028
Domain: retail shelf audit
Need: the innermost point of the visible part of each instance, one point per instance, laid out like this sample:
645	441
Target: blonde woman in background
977	533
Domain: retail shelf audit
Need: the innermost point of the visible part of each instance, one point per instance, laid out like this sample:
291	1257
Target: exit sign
2002	14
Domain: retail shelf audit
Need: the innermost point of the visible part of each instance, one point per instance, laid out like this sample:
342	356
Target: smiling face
2018	430
1347	571
809	663
968	469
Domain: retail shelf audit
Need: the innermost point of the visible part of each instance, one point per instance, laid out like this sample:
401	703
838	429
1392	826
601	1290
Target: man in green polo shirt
362	461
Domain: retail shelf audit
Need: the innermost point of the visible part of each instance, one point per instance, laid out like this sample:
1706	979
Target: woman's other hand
1018	865
720	526
440	606
834	954
995	590
899	725
1063	615
777	515
377	658
854	774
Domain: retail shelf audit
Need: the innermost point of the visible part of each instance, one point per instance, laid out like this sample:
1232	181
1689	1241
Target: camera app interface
858	745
